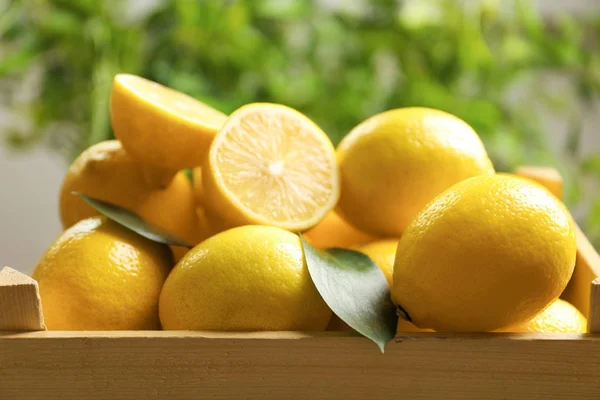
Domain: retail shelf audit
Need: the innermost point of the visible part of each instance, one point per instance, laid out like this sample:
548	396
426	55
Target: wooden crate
294	365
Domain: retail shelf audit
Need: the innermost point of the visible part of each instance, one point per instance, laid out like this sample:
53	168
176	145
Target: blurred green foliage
492	63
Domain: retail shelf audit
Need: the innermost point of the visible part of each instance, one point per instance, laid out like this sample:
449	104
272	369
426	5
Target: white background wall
30	182
28	206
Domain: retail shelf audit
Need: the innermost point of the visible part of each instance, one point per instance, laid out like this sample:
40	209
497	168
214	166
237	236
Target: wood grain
329	365
180	365
594	319
587	269
20	304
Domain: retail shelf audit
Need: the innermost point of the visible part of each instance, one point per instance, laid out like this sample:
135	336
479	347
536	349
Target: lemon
163	129
244	279
334	231
383	253
406	327
271	165
106	172
101	276
559	317
198	188
394	163
178	252
490	252
545	176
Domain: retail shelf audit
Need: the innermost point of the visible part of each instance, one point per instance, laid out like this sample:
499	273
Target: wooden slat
547	176
587	269
594	319
20	305
179	365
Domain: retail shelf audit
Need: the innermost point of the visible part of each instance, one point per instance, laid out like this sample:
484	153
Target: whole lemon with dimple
99	275
245	279
559	317
394	163
106	172
490	252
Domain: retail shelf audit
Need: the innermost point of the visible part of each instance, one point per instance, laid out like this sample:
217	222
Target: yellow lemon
271	165
383	252
210	223
394	163
178	252
244	279
163	129
406	327
545	176
334	231
106	172
559	317
99	275
490	252
198	189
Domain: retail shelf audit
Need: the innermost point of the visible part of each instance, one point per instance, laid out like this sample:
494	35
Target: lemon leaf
133	222
189	174
355	289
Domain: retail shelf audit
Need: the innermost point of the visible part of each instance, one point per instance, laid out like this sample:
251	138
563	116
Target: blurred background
525	75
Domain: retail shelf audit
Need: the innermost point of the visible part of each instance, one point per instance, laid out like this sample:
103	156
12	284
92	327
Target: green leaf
355	289
133	222
189	173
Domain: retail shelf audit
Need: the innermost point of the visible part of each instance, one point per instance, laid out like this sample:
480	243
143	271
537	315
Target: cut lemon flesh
271	165
159	126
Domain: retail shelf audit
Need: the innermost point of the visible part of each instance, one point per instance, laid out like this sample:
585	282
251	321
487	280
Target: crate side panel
587	269
418	367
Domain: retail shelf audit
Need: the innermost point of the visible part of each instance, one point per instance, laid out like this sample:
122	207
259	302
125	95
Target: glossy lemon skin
106	172
198	188
159	126
383	252
101	276
394	163
559	317
245	279
490	252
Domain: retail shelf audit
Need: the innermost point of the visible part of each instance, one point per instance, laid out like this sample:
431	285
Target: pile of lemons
463	248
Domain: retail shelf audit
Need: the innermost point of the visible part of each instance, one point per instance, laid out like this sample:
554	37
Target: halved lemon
271	165
161	128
